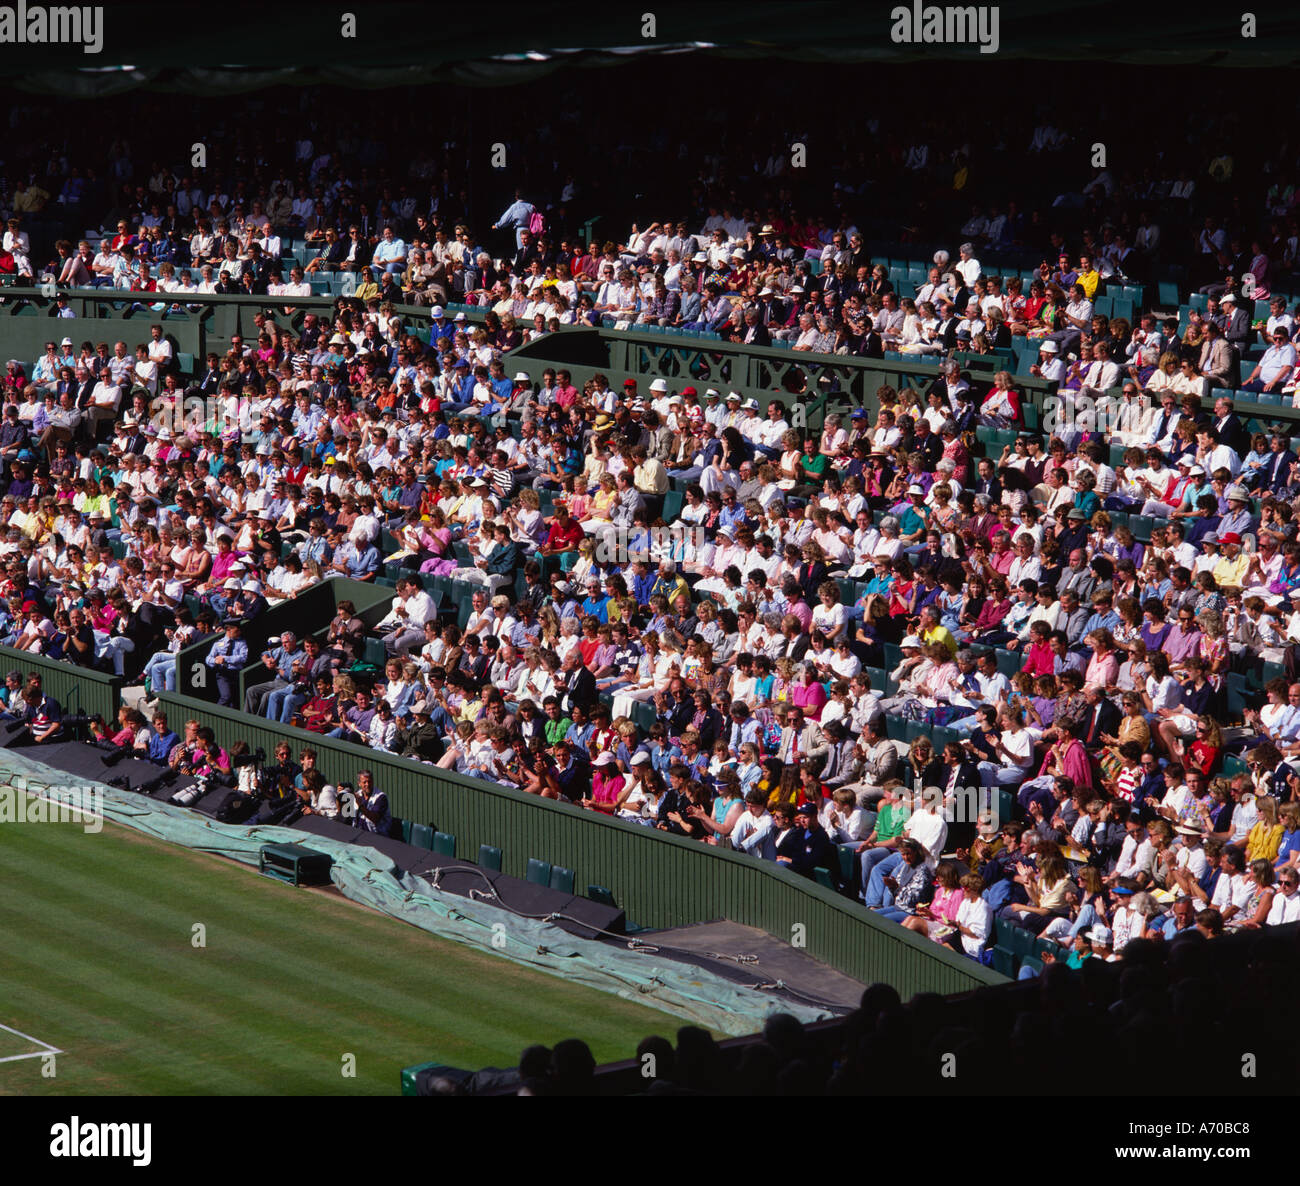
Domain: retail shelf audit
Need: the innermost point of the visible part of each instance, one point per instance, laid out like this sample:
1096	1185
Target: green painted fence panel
77	689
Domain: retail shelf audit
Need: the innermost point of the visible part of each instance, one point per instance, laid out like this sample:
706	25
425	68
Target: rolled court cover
365	875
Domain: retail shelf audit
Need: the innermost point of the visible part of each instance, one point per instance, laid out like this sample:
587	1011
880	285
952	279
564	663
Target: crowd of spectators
660	629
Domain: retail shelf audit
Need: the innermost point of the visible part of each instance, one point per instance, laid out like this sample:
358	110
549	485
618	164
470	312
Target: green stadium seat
1167	291
672	505
561	880
539	872
941	736
895	727
489	857
823	877
1004	962
1009	662
1029	961
1140	526
444	843
406	831
422	836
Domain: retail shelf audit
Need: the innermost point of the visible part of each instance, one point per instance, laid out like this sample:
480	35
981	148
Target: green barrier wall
659	879
75	688
758	372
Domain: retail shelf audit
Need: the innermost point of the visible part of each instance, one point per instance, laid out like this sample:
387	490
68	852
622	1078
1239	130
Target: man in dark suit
1229	429
1277	470
1102	717
579	683
947	331
755	332
674	708
136	440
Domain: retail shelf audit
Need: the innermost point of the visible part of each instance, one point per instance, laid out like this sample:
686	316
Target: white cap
604	759
640	758
1227	299
734	395
659	385
66	342
910	641
435	311
460	317
916	490
1049	347
522	377
232	583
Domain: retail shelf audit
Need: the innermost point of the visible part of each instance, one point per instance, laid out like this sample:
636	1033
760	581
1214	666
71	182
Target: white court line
28	1038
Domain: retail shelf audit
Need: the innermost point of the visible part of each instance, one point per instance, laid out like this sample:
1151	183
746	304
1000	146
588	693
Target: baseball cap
1100	935
435	311
1229	537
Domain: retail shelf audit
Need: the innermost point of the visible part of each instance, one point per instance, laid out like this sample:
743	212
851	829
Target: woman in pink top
607	786
939	917
1039	659
1103	667
807	693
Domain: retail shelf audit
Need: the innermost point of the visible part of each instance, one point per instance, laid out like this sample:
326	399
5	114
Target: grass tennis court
96	960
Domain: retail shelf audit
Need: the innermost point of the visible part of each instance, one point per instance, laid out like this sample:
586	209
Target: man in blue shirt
596	603
517	216
227	659
390	254
280	660
163	741
364	563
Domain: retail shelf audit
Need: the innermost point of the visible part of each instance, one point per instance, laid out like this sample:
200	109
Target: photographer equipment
192	794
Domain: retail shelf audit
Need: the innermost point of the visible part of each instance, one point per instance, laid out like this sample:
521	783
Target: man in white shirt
1102	374
104	401
1286	903
753	831
403	626
1273	370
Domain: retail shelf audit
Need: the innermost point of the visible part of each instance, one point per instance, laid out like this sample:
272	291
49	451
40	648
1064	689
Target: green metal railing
76	688
661	880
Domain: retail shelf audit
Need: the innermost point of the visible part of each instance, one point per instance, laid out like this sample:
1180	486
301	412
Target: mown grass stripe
95	945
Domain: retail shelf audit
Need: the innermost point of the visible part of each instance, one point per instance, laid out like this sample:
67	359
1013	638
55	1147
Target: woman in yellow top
1265	838
600	510
1132	727
366	286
